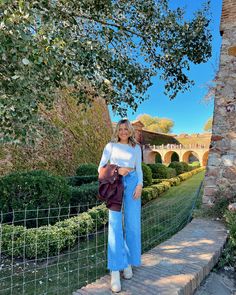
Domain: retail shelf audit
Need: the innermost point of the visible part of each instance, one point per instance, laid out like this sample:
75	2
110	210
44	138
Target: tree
156	124
208	125
105	48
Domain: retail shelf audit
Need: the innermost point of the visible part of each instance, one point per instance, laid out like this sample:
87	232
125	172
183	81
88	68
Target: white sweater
123	155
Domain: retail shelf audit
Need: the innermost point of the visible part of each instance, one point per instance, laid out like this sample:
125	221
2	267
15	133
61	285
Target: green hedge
87	169
147	175
79	180
31	190
155	190
161	171
174	181
180	167
171	172
18	241
86	194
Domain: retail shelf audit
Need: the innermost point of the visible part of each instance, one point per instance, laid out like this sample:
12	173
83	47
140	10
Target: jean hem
117	268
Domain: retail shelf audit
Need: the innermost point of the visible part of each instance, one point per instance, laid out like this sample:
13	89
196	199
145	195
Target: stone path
176	266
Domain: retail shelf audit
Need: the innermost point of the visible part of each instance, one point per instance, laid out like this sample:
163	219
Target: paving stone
175	267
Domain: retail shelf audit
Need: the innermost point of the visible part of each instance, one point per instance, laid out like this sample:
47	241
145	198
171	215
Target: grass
82	264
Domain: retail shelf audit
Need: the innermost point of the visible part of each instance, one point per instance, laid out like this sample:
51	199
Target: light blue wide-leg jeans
124	239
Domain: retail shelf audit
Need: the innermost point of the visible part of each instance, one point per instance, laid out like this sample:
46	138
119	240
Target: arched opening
205	158
158	158
193	157
171	157
174	157
190	157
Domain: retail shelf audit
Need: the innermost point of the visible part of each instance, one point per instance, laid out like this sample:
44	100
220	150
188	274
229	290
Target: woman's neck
123	142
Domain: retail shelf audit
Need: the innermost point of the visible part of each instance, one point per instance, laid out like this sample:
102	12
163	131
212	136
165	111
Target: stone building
220	180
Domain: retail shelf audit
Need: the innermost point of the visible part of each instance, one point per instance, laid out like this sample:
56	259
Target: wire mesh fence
66	249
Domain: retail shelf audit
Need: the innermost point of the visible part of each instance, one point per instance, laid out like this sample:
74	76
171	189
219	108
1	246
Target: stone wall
220	180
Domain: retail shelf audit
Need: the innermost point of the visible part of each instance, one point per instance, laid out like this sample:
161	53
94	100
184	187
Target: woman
124	247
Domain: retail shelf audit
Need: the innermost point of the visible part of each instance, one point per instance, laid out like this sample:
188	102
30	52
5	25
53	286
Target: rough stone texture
222	154
176	266
232	207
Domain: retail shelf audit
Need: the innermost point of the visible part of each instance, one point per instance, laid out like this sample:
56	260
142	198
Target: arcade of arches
166	155
166	148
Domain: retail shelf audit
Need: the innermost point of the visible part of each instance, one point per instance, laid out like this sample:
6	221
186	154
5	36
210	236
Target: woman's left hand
138	191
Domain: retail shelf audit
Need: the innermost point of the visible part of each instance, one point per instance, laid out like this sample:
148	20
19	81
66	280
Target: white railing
177	146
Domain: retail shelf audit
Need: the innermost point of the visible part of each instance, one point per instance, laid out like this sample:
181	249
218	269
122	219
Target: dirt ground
220	282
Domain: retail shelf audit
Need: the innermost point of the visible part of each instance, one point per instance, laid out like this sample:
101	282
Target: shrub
78	225
185	166
171	172
228	256
147	195
147	175
18	241
21	191
177	166
174	181
87	169
79	180
160	186
99	214
153	191
158	170
35	242
156	181
86	194
230	218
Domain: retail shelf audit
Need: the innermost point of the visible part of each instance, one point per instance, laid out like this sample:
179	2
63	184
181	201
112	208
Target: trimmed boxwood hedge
30	190
79	180
147	175
161	171
18	241
87	169
180	167
155	190
171	172
86	194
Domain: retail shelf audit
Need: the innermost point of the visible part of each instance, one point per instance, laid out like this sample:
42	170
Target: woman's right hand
123	171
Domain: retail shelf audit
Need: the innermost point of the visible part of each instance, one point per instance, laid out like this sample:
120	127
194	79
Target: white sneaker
128	273
115	281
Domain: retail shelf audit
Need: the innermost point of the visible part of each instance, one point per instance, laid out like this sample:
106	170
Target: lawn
74	268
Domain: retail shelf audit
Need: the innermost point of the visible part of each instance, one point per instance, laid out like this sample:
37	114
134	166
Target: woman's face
124	133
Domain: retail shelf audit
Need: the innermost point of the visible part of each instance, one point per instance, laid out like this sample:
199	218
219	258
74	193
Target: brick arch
205	158
185	156
158	154
168	155
152	157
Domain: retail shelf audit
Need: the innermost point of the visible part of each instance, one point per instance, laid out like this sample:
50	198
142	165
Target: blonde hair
115	137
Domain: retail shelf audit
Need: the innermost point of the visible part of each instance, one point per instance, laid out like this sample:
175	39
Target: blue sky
188	110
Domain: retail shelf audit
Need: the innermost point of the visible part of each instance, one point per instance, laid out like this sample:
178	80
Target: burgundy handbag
110	187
